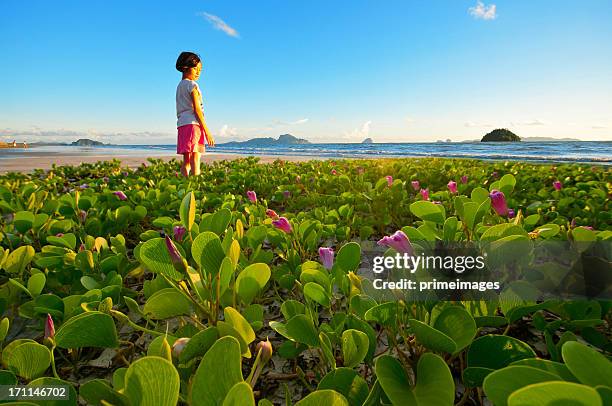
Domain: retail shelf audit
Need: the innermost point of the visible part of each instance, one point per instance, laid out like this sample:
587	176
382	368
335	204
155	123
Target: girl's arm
197	107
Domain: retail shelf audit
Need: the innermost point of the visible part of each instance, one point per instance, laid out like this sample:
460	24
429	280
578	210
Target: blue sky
328	71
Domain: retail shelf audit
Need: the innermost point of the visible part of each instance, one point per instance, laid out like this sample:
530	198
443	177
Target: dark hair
187	60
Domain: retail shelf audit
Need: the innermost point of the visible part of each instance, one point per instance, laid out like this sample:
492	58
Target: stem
53	363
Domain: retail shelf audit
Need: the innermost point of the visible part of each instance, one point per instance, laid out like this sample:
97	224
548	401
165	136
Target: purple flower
511	213
283	224
327	257
452	186
495	174
398	241
179	232
120	195
498	202
179	263
286	193
389	180
557	185
252	196
49	327
588	227
416	185
464	179
84	186
425	194
105	179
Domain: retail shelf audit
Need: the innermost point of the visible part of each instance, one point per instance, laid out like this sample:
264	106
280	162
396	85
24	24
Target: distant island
86	142
368	141
501	135
285	139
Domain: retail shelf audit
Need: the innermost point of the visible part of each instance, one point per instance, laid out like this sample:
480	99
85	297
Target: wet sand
30	160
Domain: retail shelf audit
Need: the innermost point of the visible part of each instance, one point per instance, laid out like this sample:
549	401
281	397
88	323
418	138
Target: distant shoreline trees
501	135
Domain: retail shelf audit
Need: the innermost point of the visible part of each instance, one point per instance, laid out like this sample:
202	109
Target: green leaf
431	338
348	257
36	283
299	328
27	359
493	352
241	394
355	346
218	372
23	221
207	252
450	228
555	393
187	211
98	390
154	254
348	383
500	384
552	367
18	260
199	344
167	303
325	397
589	366
240	324
316	293
90	329
152	381
251	281
507	183
219	221
428	211
458	324
434	386
4	328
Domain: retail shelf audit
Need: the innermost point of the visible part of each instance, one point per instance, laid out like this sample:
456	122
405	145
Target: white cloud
358	134
227	131
471	124
534	122
300	121
599	127
219	24
483	12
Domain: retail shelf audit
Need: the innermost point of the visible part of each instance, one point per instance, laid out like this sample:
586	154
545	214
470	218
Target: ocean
592	152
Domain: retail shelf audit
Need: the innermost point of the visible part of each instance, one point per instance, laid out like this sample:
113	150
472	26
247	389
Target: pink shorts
190	139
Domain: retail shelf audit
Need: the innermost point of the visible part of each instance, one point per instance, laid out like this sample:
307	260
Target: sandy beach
29	160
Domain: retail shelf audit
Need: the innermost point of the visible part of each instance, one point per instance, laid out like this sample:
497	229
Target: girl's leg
195	163
186	166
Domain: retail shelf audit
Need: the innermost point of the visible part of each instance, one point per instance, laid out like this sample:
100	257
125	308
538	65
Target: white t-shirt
184	105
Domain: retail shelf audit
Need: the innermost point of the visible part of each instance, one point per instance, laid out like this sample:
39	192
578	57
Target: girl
191	125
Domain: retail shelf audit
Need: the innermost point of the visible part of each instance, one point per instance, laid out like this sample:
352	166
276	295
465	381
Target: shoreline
45	162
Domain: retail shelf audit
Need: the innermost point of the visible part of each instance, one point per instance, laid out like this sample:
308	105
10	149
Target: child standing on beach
192	129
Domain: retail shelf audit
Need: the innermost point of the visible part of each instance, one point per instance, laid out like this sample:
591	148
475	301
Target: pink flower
389	180
266	350
82	216
271	213
511	213
452	186
398	241
327	257
464	179
416	185
283	224
49	327
286	193
425	194
179	233
333	172
179	345
252	196
120	195
179	263
59	235
557	185
498	202
495	174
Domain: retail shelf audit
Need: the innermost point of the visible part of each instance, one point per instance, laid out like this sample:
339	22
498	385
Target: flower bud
252	196
49	327
327	257
177	259
179	346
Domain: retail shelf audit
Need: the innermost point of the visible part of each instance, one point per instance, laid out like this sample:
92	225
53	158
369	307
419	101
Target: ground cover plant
245	285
